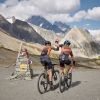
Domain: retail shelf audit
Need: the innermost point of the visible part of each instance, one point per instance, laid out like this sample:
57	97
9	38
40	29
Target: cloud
11	2
23	9
66	17
53	10
58	17
94	13
57	6
94	32
79	15
87	24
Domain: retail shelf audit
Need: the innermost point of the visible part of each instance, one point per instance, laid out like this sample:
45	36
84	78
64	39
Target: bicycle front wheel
69	80
42	83
62	84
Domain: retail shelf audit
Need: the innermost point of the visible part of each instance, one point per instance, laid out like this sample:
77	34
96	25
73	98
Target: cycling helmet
47	42
67	42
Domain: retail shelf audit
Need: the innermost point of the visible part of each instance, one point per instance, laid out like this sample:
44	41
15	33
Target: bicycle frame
45	82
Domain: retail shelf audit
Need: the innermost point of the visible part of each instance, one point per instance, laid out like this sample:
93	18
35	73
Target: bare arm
57	47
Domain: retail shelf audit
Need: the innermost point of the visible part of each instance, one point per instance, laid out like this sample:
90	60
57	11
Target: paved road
85	86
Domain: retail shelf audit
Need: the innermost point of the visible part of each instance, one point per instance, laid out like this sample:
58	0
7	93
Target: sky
76	13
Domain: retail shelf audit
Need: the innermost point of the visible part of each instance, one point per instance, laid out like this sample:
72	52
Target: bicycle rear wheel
62	84
69	79
42	83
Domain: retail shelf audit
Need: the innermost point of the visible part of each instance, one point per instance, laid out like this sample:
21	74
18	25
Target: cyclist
66	56
46	61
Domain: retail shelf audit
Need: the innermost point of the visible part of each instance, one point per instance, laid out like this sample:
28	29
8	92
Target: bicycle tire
62	84
69	80
43	83
56	76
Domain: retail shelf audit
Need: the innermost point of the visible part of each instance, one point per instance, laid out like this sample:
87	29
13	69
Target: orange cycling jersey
49	50
46	51
67	50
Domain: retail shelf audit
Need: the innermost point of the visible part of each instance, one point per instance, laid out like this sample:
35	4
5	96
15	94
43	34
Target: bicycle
43	80
65	80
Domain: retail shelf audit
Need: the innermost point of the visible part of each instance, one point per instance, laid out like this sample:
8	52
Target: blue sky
2	0
85	5
80	13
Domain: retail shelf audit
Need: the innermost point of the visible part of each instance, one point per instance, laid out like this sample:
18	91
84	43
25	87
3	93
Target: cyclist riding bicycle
66	56
46	61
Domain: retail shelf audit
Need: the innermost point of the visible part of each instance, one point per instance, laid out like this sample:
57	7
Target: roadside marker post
22	67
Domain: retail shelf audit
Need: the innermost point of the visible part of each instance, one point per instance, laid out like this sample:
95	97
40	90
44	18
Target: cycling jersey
46	51
66	50
45	59
64	56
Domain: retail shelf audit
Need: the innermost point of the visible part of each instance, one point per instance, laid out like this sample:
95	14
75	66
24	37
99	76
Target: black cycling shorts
47	65
62	63
46	61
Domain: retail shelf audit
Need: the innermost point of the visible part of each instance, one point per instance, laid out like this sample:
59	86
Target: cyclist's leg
50	75
72	65
68	65
50	71
62	66
48	64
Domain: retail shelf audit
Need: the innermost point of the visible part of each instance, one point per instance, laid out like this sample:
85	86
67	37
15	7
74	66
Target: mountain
24	31
4	24
42	22
13	44
47	34
63	26
97	38
82	42
8	44
20	30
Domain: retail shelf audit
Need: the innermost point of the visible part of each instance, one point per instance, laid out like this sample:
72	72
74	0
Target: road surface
85	86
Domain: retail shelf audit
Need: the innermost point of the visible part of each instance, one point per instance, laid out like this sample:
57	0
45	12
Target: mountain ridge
21	30
44	23
82	42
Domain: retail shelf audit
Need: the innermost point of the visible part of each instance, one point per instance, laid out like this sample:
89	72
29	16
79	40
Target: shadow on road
34	75
75	84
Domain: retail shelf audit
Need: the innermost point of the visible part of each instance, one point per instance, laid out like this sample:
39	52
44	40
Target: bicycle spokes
62	84
42	83
69	80
65	80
